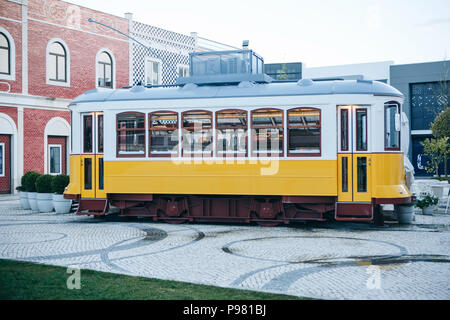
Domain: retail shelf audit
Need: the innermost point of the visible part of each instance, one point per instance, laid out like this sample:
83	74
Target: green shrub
429	200
44	183
59	183
30	180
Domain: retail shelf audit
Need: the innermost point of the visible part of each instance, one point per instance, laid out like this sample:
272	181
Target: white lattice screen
172	47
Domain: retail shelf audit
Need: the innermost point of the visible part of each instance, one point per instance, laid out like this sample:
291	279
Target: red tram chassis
263	210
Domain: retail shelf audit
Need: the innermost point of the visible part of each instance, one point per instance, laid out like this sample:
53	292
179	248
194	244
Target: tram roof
303	87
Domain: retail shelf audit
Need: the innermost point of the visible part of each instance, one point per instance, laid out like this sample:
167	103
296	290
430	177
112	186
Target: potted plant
59	183
44	193
428	204
405	212
23	194
31	188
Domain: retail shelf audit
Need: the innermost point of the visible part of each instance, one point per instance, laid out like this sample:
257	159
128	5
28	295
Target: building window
183	71
2	160
55	159
57	62
104	70
152	72
267	132
361	129
131	134
5	55
197	132
304	132
163	135
391	131
231	132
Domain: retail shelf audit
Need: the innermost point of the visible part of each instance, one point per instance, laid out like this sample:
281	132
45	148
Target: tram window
100	173
391	135
88	173
87	133
231	132
163	133
197	132
100	133
361	129
304	131
344	130
361	164
344	174
267	132
131	134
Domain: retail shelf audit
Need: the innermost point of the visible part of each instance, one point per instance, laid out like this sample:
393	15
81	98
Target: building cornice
29	101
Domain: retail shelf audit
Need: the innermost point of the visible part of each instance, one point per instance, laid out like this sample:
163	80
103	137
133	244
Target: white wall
368	71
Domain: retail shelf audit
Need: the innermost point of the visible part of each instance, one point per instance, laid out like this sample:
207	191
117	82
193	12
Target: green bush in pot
59	183
427	203
29	182
23	194
44	196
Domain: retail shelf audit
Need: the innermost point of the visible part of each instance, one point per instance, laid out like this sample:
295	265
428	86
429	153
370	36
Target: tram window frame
234	153
191	130
88	134
130	154
358	142
151	129
253	133
100	133
319	126
386	106
345	134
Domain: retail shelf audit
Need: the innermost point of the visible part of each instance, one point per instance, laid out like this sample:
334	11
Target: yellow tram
229	144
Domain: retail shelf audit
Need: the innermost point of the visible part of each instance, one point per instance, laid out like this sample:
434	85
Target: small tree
436	150
441	129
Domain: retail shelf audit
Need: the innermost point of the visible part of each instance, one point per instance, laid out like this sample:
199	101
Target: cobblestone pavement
328	260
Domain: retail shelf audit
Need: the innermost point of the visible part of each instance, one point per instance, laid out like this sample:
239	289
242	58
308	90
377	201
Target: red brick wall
10	111
13	11
35	121
82	46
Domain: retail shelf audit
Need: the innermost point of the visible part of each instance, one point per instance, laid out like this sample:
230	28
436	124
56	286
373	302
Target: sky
315	32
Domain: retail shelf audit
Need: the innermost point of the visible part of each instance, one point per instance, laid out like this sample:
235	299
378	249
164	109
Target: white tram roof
244	89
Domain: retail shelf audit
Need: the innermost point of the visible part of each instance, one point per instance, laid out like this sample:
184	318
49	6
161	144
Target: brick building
49	54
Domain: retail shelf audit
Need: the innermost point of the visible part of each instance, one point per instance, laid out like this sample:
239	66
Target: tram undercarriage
263	210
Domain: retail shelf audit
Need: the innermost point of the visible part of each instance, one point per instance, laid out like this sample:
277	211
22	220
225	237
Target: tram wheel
175	221
268	223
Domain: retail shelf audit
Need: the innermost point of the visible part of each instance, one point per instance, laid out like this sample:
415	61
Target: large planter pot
24	200
428	210
32	201
44	202
405	214
61	205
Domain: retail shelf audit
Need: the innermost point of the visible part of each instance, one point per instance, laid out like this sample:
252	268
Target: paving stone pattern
319	260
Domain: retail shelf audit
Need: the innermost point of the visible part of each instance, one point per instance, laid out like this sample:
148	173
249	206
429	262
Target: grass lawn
28	281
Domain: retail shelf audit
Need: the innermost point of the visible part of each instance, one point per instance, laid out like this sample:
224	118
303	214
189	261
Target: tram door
92	185
354	160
